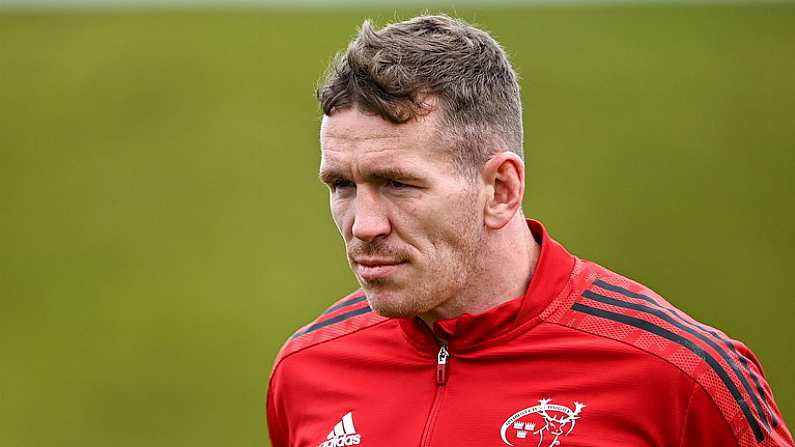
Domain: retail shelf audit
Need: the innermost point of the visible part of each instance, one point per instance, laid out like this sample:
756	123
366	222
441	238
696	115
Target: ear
503	175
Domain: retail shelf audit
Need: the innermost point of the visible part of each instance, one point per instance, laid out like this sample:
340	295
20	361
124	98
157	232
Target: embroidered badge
541	425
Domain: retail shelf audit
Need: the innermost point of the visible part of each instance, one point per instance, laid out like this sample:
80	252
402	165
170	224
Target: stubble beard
442	282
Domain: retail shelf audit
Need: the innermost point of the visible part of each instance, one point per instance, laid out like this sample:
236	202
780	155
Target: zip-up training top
586	357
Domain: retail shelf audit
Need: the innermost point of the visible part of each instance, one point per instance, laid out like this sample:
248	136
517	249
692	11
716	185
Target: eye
396	184
341	184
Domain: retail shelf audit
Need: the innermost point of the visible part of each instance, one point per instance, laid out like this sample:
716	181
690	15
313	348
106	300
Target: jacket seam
737	435
626	344
285	357
687	413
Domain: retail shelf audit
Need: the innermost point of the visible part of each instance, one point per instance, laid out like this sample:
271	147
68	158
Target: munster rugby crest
541	425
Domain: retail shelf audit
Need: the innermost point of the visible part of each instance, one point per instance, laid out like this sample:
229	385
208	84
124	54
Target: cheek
444	235
462	226
339	212
439	227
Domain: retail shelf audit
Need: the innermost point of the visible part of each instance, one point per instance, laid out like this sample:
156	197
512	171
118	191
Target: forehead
350	136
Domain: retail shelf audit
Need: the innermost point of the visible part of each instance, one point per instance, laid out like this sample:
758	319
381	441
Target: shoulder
611	306
348	315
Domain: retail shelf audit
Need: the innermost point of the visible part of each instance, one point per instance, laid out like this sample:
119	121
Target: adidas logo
344	434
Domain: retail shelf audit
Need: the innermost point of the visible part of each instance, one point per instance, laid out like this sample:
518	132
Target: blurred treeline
162	230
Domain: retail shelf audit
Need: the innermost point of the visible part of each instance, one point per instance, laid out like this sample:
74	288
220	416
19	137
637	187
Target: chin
392	305
390	312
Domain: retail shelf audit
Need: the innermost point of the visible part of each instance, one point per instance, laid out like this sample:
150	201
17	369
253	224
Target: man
473	327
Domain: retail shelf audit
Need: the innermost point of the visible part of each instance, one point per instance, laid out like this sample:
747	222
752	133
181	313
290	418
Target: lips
370	269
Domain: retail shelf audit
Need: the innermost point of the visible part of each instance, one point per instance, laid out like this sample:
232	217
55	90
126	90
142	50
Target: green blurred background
162	230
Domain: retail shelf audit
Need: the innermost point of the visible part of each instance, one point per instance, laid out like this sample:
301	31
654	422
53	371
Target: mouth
371	269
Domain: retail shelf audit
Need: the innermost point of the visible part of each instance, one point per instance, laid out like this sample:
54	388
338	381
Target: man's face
412	224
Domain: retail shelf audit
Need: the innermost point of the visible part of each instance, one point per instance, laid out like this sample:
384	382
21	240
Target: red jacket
585	358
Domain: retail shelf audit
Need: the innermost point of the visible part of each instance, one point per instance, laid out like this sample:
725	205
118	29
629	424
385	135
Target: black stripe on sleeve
692	347
724	340
333	320
344	304
744	362
665	317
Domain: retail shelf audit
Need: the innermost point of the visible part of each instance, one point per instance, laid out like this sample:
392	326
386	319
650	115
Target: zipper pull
441	365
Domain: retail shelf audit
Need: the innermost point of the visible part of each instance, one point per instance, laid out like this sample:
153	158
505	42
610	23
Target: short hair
390	71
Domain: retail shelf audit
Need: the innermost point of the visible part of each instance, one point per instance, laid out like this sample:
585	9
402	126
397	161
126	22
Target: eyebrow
331	175
391	173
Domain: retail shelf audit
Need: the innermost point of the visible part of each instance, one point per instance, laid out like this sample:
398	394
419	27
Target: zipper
441	365
441	380
442	360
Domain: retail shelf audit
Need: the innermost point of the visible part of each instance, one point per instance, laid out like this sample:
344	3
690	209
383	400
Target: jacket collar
552	271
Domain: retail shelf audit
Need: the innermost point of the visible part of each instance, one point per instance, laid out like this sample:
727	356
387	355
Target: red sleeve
778	435
704	424
277	428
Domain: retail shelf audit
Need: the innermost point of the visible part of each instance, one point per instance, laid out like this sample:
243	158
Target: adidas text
342	441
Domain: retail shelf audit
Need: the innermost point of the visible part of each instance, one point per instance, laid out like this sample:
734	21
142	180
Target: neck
507	262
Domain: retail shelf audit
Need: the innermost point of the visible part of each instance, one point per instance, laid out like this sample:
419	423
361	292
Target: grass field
162	230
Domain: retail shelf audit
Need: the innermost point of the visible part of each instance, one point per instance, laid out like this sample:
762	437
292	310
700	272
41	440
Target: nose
370	220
